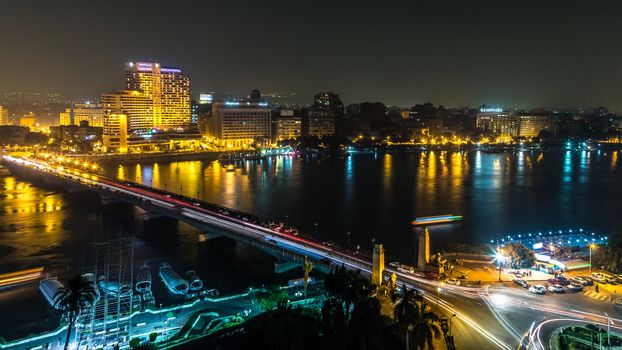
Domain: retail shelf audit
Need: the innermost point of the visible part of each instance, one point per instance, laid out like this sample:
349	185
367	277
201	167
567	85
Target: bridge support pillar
109	200
286	266
150	215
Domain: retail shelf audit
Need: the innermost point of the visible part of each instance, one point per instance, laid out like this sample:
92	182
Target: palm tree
425	327
79	294
404	311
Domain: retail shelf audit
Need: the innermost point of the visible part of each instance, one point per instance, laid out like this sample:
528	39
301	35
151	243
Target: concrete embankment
145	157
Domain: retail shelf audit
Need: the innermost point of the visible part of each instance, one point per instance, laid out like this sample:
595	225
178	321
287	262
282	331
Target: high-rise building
77	112
169	90
125	113
4	116
240	123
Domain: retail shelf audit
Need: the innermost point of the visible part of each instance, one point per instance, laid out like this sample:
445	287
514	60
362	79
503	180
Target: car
556	288
575	287
554	281
167	195
453	281
578	280
395	264
521	283
406	269
598	277
537	289
196	204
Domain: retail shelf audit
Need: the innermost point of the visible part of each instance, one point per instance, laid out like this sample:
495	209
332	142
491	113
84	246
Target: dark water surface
370	196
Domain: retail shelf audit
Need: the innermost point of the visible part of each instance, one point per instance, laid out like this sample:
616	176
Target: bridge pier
105	200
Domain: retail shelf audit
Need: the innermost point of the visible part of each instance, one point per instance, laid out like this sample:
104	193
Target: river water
351	200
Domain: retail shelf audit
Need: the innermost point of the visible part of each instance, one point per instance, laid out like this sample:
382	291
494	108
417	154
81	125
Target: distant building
126	113
78	112
83	135
321	123
321	118
500	122
169	90
240	123
531	125
288	125
29	121
4	116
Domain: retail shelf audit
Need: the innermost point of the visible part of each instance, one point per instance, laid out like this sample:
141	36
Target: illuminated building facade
243	123
500	122
169	90
531	125
29	121
78	112
4	116
288	125
126	113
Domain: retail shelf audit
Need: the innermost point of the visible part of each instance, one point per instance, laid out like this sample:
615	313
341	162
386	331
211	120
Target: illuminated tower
377	265
423	256
169	89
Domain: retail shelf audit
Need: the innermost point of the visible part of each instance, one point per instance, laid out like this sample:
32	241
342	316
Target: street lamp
592	246
499	258
609	322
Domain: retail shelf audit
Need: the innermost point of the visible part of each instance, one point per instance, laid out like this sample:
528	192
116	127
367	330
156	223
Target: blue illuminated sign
491	110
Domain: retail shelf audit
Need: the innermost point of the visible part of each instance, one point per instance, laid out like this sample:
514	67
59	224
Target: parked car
554	281
556	288
537	289
578	280
598	277
453	281
521	283
575	287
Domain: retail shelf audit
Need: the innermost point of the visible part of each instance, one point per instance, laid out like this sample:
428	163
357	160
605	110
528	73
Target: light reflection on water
376	196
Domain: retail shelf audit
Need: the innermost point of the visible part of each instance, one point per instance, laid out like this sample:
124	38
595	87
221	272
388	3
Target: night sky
509	53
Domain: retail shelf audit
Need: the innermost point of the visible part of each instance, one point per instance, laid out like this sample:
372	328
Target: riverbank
145	157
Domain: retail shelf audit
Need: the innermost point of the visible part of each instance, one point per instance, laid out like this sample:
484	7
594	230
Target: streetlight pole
591	247
608	332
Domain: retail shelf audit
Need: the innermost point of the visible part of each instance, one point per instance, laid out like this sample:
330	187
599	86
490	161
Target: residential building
321	118
78	112
169	90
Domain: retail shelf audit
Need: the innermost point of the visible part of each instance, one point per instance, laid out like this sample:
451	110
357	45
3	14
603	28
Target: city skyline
523	55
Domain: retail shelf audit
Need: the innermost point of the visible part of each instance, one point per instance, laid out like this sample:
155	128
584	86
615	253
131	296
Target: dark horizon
521	55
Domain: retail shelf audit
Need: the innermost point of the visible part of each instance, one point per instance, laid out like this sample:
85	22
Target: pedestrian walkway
600	296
